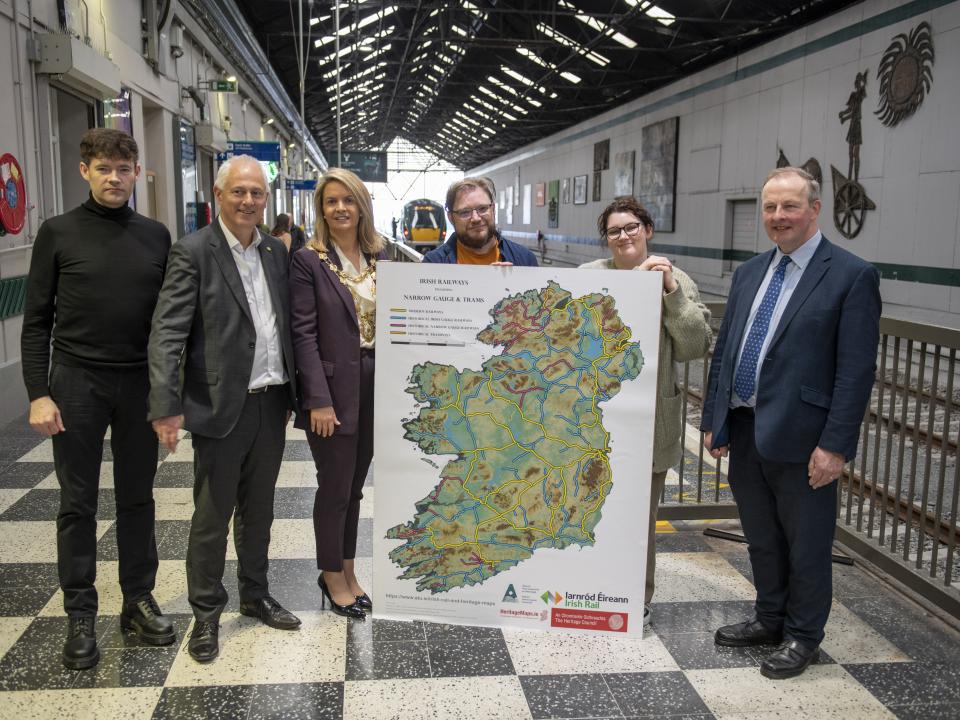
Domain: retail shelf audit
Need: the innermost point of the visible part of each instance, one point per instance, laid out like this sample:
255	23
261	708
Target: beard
476	240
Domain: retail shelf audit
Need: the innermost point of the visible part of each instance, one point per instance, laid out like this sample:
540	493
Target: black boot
143	617
80	650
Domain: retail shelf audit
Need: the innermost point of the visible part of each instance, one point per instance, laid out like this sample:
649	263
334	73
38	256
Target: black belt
744	410
262	389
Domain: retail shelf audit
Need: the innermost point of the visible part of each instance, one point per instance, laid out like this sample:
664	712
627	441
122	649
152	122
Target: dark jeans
342	463
789	527
239	472
90	401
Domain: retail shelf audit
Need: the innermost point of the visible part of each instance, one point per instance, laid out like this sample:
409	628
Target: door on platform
72	116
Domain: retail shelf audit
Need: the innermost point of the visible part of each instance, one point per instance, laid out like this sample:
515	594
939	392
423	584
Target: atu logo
555	597
510	595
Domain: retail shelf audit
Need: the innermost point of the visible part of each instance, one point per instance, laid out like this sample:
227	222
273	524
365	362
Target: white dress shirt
267	357
799	259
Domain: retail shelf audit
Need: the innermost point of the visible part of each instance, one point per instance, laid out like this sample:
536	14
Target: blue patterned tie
745	382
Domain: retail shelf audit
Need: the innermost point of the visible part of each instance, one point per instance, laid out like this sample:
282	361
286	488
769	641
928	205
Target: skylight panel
559	37
653	11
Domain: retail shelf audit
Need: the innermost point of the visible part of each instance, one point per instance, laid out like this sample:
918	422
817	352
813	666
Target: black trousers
342	463
90	401
789	527
235	473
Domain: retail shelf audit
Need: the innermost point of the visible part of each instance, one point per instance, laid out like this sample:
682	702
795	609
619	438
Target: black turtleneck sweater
94	278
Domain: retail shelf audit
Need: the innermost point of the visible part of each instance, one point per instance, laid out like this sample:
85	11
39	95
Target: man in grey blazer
221	324
791	375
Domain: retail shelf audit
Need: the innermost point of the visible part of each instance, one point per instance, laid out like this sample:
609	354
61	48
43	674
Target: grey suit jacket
202	340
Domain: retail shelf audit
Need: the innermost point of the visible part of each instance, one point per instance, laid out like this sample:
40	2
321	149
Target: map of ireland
531	467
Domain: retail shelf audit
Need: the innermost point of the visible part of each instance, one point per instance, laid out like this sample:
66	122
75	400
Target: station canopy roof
470	81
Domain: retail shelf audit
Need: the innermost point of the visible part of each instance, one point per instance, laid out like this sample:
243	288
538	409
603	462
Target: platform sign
369	166
297	184
513	434
222	86
265	151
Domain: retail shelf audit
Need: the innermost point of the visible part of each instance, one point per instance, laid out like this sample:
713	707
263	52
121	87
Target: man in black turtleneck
95	275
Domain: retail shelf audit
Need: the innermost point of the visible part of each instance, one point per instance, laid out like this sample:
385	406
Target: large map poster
513	440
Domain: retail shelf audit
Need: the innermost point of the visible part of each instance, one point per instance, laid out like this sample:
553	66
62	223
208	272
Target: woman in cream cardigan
626	227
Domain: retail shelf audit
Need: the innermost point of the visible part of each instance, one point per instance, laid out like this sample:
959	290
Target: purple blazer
326	340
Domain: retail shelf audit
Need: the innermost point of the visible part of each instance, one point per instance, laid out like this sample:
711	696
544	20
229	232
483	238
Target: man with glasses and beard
476	240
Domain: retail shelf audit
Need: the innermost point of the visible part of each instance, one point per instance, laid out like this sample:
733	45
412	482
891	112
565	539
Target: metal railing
401	252
898	499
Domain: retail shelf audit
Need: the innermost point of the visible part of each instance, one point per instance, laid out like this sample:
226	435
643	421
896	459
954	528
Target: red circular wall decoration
13	196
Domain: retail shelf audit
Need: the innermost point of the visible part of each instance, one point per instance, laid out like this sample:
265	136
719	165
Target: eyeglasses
467	213
240	194
630	229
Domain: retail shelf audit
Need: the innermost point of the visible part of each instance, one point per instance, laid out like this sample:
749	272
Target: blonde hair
371	242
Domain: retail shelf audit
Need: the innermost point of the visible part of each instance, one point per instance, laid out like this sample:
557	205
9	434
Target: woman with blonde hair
626	227
333	290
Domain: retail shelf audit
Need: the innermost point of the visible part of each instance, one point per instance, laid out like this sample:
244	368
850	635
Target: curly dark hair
108	144
625	204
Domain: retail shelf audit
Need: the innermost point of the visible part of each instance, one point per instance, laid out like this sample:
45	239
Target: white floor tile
8	496
11	628
252	653
297	473
173	503
823	691
170	591
93	704
289	539
106	478
850	640
366	505
34	540
537	653
453	698
41	453
686	577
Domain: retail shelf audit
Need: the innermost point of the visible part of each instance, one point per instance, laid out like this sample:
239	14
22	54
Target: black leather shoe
270	613
80	651
364	602
351	611
204	642
746	634
789	660
145	619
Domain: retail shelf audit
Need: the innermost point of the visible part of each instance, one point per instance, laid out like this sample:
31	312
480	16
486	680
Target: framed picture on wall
601	155
565	191
658	172
623	173
596	186
553	203
580	190
540	192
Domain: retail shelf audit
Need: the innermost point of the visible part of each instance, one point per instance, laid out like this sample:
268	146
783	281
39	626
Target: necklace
365	320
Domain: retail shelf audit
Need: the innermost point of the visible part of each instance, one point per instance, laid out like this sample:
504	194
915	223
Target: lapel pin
269	249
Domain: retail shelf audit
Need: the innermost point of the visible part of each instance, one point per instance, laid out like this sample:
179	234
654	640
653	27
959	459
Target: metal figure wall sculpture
850	201
905	75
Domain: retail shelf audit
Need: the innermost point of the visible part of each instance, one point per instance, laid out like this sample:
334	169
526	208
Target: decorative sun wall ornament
905	75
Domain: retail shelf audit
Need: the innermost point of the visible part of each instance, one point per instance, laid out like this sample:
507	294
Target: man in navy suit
790	379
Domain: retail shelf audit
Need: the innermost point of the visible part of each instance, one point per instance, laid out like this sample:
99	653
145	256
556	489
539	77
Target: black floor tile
15	447
697	651
909	683
297	450
35	660
129	667
297	701
224	702
172	536
701	616
462	633
114	637
294	503
915	632
45	505
939	711
389	660
456	658
174	474
655	694
25	588
24	474
569	696
850	581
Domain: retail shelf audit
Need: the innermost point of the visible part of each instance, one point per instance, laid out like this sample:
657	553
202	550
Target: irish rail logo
554	597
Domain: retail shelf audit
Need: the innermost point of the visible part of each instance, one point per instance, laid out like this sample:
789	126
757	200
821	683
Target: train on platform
424	224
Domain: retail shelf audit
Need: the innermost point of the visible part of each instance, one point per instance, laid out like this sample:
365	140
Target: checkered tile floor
883	656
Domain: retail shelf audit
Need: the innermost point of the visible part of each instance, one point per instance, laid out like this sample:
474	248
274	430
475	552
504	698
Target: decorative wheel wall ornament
905	74
811	166
850	201
13	196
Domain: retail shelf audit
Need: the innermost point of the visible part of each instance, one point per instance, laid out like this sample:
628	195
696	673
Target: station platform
884	656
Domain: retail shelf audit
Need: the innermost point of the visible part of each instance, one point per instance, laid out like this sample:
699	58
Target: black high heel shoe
364	602
351	611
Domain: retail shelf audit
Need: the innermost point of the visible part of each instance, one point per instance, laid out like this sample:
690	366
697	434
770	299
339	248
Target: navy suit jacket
818	372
